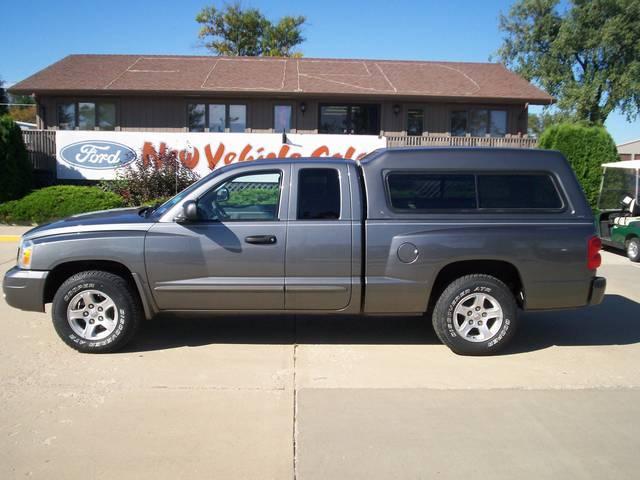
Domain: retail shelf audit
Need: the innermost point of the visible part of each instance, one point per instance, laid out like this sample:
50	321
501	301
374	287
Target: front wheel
475	315
95	312
633	249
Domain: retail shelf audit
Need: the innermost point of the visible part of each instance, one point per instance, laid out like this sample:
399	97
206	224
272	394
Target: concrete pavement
315	397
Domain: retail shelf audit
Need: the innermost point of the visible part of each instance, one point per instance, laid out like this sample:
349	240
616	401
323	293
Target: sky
455	30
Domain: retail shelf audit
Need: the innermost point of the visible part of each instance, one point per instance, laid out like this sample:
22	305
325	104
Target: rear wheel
475	315
95	312
632	248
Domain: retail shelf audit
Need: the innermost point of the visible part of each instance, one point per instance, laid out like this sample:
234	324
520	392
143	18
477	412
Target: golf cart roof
631	164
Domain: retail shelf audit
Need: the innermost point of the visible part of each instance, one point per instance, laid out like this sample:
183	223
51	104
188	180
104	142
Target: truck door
233	257
319	238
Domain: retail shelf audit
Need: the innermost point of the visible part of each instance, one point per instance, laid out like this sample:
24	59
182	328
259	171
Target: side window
318	194
249	197
67	116
415	191
525	191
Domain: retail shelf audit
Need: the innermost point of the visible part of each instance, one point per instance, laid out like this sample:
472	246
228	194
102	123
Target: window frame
477	210
96	115
468	114
410	108
242	174
298	192
349	106
291	120
227	105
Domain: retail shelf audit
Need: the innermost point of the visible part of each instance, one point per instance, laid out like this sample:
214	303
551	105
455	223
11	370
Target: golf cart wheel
632	248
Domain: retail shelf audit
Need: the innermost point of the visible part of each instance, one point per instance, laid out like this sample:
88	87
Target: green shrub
151	178
57	202
586	149
15	167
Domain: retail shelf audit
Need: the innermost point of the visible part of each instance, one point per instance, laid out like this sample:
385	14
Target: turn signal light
594	260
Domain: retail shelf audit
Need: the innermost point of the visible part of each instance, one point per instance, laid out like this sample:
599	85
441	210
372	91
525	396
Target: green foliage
15	179
3	99
57	202
26	112
236	32
150	179
539	122
586	148
588	55
253	196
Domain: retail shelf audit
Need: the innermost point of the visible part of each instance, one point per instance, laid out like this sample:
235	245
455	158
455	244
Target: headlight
25	254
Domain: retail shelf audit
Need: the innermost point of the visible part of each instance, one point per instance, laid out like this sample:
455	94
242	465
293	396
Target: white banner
98	155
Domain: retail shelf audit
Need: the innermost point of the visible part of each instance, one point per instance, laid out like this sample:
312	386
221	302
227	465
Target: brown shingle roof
283	76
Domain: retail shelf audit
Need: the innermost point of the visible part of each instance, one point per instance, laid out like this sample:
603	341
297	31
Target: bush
150	178
15	179
586	149
61	201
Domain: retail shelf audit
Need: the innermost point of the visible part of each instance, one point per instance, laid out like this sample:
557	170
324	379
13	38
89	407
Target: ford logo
98	154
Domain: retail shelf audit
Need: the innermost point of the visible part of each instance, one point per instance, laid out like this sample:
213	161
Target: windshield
617	183
166	206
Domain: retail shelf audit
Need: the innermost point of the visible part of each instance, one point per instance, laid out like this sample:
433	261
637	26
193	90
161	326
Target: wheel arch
502	270
63	271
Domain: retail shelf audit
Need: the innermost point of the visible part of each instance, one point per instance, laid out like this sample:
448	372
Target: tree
25	111
236	32
588	55
586	148
15	180
539	122
3	99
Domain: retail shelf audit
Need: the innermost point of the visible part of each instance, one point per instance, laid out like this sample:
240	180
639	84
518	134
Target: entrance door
232	258
319	239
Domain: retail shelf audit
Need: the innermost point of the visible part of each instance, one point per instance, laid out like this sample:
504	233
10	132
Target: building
629	150
408	101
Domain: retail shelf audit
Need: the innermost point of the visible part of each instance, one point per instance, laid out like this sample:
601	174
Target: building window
237	118
67	116
87	116
318	194
216	117
415	121
355	119
282	118
479	123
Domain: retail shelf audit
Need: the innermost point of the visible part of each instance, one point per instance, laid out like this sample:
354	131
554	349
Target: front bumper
598	286
24	289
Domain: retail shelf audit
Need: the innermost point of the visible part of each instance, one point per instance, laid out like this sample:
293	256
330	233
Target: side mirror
222	195
189	212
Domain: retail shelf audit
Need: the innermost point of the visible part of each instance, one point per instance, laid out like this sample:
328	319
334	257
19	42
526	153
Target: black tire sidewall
444	322
114	287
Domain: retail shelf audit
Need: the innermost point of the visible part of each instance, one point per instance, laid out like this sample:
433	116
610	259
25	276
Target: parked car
465	236
619	207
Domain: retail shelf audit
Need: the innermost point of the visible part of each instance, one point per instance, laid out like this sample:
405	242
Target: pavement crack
295	398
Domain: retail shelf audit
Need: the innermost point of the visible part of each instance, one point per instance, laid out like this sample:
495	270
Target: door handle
260	239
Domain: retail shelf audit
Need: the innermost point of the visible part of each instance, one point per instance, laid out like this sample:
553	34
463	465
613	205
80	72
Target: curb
10	238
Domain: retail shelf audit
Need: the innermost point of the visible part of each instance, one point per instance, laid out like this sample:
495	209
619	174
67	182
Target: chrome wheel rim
478	317
92	315
632	249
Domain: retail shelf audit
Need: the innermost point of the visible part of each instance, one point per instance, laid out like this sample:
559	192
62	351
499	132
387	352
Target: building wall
169	113
629	150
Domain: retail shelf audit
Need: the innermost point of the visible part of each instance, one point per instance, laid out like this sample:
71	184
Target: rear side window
318	194
414	191
527	191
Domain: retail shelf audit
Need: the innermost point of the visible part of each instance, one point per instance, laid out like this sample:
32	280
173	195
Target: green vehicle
619	205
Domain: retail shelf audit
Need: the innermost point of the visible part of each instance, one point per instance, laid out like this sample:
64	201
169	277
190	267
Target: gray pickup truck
465	236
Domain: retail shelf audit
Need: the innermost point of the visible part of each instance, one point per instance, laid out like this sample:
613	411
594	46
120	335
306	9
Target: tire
475	297
632	247
96	312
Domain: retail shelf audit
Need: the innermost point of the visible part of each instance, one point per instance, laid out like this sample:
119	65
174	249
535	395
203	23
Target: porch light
396	109
303	107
